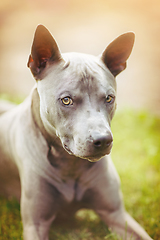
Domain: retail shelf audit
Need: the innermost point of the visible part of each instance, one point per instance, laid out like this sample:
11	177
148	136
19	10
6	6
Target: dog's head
78	92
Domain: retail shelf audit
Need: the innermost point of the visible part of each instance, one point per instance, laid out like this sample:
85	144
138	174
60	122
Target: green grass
136	155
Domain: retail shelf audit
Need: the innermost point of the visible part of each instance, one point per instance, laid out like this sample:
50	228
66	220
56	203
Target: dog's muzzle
99	146
93	148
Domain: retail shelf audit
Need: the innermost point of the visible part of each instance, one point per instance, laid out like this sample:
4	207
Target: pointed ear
44	49
118	51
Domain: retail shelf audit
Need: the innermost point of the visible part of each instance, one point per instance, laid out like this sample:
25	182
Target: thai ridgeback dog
55	146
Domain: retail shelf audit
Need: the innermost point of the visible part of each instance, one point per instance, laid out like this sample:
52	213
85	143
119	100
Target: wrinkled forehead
80	72
87	69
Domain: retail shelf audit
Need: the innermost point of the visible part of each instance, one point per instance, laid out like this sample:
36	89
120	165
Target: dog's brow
87	71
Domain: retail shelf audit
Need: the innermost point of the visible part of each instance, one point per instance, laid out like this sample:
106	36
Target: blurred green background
88	26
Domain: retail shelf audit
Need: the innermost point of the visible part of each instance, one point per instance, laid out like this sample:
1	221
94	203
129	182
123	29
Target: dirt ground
84	26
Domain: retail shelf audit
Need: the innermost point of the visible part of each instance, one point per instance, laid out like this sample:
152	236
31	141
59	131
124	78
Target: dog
55	146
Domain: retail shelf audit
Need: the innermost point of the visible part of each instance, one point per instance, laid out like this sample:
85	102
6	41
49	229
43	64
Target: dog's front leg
36	231
38	208
120	222
108	203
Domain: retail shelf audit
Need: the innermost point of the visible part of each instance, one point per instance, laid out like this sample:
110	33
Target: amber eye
67	101
109	99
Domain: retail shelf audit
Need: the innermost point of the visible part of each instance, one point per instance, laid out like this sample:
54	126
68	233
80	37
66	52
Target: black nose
101	141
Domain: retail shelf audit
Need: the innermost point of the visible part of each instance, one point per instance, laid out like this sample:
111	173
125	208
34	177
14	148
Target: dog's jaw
92	157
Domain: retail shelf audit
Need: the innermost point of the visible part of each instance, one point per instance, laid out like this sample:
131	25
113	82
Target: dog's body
45	141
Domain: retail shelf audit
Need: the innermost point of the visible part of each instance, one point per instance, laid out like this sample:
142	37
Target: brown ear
118	51
44	49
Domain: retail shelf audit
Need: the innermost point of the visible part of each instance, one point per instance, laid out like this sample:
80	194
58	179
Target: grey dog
55	146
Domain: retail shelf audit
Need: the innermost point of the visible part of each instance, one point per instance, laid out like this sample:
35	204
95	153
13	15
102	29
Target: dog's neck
52	141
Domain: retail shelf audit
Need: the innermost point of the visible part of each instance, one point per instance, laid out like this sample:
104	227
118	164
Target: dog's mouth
67	149
100	154
91	156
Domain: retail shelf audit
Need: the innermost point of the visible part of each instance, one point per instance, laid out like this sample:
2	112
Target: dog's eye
67	101
109	99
